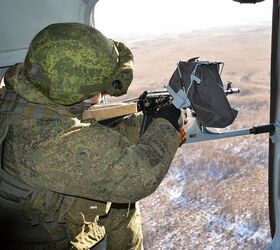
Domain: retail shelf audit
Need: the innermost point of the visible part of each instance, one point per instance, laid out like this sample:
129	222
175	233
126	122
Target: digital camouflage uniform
59	175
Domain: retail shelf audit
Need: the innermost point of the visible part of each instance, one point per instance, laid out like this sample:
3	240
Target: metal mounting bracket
199	133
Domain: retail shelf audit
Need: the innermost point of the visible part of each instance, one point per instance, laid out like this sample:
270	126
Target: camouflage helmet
69	62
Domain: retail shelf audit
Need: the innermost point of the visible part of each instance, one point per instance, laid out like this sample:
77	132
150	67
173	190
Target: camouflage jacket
49	149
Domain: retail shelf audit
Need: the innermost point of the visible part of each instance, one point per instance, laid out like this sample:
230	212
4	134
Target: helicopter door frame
274	148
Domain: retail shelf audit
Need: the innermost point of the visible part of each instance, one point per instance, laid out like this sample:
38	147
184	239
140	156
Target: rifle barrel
155	94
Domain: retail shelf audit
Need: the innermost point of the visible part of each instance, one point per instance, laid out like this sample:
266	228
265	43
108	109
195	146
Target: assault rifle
150	102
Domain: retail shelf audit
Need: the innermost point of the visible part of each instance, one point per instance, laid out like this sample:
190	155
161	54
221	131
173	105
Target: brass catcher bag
198	85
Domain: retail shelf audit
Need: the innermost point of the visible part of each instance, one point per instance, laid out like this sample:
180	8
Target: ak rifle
149	102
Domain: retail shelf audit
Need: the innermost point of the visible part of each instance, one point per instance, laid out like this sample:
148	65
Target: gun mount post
199	133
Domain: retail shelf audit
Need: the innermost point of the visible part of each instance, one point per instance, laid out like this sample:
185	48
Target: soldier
64	180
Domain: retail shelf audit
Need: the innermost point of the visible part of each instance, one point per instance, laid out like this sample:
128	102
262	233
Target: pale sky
135	17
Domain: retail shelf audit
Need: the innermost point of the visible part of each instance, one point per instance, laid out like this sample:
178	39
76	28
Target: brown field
215	194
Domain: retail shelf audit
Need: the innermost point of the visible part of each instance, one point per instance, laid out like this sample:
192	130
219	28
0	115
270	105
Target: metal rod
215	136
207	135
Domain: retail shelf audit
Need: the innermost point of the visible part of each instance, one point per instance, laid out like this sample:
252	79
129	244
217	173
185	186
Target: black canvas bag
203	88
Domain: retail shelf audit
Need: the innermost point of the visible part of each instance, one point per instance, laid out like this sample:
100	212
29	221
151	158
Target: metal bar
208	136
274	89
201	133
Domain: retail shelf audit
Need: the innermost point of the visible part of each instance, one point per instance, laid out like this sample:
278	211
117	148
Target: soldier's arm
130	127
99	163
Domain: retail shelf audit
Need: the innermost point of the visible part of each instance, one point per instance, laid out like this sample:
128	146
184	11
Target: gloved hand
175	116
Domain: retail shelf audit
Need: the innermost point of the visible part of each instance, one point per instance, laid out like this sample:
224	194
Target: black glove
175	116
